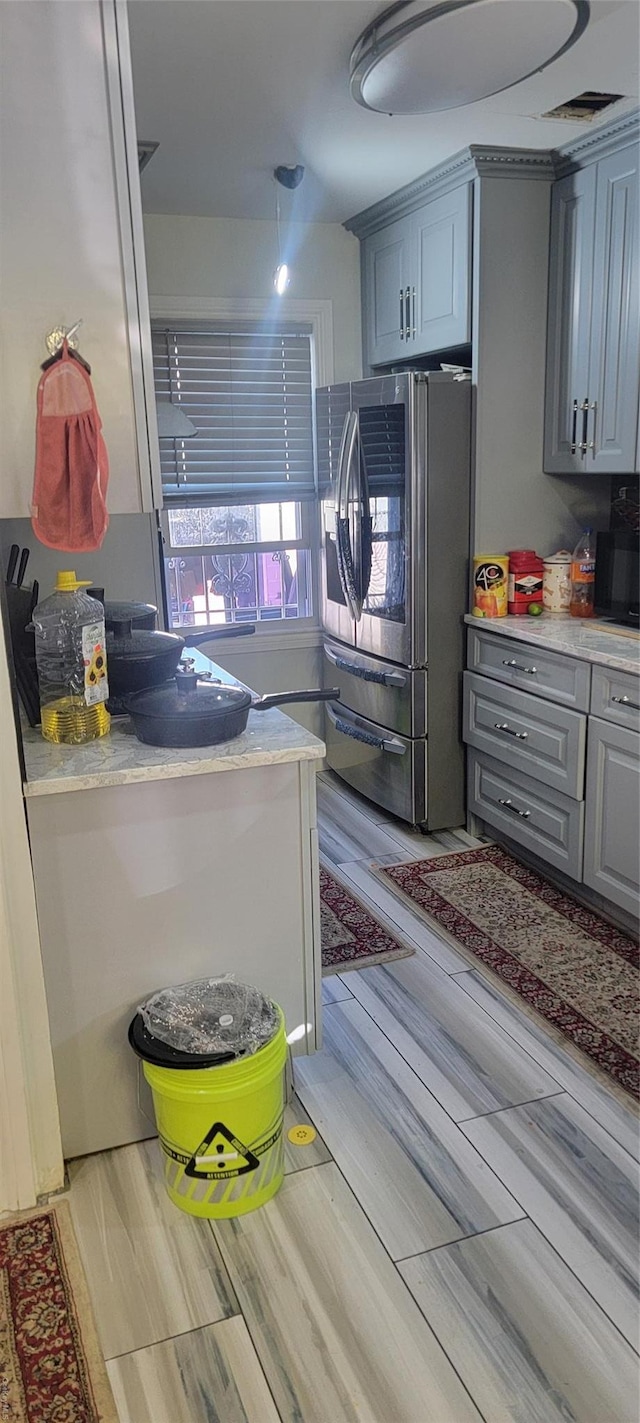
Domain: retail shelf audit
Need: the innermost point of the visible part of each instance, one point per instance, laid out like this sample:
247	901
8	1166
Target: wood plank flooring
458	1245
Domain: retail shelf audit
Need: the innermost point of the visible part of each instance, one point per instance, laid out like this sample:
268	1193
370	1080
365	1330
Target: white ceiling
230	88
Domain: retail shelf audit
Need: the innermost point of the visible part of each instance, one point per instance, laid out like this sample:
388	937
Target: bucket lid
207	1021
151	1050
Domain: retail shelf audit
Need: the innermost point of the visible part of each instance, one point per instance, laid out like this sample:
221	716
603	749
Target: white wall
233	257
124	566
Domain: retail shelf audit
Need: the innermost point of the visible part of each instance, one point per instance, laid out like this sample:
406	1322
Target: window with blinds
248	394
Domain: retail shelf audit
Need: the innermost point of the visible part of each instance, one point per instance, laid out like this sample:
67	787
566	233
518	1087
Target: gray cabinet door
443	291
613	813
614	369
569	319
389	276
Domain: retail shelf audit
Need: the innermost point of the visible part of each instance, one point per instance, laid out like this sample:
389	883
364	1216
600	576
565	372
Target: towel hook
56	337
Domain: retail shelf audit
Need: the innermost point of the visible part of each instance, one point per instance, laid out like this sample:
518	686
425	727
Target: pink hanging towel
72	467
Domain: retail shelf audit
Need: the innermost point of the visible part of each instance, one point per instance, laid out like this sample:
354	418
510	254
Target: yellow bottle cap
66	582
302	1135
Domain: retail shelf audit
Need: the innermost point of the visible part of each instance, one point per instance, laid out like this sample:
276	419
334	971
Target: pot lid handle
186	681
121	627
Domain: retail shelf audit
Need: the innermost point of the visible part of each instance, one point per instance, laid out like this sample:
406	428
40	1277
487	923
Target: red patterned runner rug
351	937
51	1366
565	961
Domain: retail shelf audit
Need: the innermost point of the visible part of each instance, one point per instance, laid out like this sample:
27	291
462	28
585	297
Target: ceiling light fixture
424	56
285	177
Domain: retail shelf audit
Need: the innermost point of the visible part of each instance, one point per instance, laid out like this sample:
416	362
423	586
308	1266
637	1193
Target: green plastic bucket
220	1130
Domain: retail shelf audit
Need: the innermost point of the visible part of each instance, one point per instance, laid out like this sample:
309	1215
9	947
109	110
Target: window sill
263	640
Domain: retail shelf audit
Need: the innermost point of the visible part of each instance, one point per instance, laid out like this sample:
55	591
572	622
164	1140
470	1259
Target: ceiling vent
145	153
584	107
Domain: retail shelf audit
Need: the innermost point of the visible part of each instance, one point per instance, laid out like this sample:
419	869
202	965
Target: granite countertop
271	738
591	641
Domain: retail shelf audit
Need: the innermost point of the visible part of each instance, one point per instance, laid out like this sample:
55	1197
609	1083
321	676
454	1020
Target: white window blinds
248	393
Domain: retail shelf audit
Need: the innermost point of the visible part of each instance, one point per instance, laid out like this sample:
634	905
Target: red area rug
51	1366
351	937
566	962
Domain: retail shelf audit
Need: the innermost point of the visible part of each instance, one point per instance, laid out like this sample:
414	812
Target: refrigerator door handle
342	520
346	562
385	679
358	733
365	551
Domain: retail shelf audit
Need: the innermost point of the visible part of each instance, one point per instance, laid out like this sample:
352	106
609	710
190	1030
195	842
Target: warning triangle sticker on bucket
220	1155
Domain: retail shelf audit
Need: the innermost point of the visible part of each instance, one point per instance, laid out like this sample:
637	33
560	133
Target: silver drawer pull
511	662
626	702
508	805
504	726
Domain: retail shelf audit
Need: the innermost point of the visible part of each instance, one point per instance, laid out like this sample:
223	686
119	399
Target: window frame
318	314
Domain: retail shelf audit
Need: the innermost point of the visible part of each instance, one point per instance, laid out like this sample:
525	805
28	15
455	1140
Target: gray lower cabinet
612	832
545	822
562	784
545	741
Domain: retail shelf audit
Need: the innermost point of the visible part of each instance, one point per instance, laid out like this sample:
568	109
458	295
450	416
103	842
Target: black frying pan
194	711
137	658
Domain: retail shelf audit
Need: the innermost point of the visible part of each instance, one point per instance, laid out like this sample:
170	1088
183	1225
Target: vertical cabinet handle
573	423
413	303
592	443
585	417
407	313
402	318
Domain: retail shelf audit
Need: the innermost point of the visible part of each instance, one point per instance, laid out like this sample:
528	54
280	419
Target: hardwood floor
458	1244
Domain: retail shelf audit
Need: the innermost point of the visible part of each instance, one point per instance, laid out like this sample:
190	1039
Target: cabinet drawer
548	823
616	697
613	814
545	674
545	741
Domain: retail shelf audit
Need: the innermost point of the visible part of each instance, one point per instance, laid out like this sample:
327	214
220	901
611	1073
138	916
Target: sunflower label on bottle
490	575
96	685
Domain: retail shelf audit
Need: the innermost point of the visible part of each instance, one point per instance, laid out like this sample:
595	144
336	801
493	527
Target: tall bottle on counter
583	576
72	663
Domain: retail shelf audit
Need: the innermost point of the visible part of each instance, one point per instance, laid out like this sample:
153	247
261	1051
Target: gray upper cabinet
593	348
389	281
443	251
613	814
614	371
417	280
570	280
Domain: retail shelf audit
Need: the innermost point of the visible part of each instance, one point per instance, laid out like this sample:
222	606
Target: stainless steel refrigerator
393	466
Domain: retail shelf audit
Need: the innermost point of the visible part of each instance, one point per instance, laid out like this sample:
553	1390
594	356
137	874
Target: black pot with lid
192	710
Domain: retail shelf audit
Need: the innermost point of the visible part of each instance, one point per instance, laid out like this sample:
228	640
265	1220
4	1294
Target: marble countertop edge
244	760
573	637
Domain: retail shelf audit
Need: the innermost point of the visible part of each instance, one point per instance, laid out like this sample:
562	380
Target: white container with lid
556	582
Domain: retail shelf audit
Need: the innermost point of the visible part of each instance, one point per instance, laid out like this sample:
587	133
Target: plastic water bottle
72	663
583	576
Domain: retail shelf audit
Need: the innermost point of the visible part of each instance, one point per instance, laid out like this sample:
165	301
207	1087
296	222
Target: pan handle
278	699
212	634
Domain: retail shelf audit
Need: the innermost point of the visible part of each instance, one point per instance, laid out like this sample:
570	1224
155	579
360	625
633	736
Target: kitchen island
154	866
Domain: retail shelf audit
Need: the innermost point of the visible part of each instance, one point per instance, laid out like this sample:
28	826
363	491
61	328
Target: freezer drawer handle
626	702
508	805
511	662
357	733
504	726
386	679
